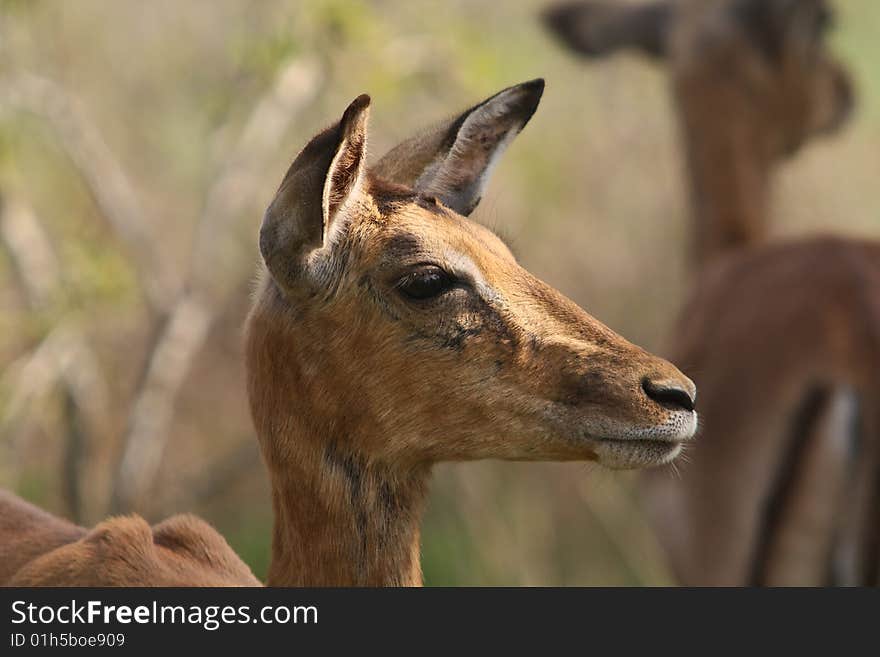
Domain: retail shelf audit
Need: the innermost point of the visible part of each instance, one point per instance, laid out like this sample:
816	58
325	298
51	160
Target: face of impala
419	325
765	63
452	333
772	57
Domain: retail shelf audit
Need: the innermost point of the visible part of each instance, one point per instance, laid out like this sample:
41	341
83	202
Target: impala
783	339
389	333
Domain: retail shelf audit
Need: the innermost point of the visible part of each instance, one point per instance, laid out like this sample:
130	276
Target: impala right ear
311	203
773	24
452	161
595	29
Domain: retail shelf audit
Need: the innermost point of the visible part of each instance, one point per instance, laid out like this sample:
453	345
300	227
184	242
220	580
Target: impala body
38	549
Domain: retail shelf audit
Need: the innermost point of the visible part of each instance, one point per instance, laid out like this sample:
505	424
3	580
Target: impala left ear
307	208
453	161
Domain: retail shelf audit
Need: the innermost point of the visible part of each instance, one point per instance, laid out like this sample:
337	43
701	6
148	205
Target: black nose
669	395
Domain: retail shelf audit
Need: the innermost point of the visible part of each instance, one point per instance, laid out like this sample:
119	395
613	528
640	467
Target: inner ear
324	178
475	144
453	161
346	168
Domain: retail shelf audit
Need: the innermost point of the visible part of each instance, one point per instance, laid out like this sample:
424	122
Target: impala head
394	327
765	61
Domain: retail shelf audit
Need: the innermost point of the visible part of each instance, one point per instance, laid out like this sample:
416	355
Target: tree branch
63	358
183	334
34	264
102	173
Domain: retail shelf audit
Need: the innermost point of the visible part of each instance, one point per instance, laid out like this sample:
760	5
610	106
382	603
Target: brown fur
39	549
748	95
821	332
356	391
782	340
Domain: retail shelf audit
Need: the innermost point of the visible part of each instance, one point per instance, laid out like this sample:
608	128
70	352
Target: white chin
636	453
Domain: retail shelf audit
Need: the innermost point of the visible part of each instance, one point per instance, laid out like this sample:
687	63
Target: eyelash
426	283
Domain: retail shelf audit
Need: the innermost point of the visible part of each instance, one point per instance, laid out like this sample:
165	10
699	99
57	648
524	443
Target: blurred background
139	145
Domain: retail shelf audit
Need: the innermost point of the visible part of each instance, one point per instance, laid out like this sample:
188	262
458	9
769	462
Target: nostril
669	396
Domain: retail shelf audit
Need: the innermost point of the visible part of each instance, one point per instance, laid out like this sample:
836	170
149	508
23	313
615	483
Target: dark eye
425	283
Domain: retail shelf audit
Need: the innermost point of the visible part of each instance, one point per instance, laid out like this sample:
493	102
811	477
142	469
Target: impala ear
595	29
771	24
313	197
453	161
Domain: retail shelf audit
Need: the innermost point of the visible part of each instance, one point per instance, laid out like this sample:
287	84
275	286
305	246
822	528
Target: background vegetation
139	144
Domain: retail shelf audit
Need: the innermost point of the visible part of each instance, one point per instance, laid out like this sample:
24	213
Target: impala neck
728	179
341	521
342	517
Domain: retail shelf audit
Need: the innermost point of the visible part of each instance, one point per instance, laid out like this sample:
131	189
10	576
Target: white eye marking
463	267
